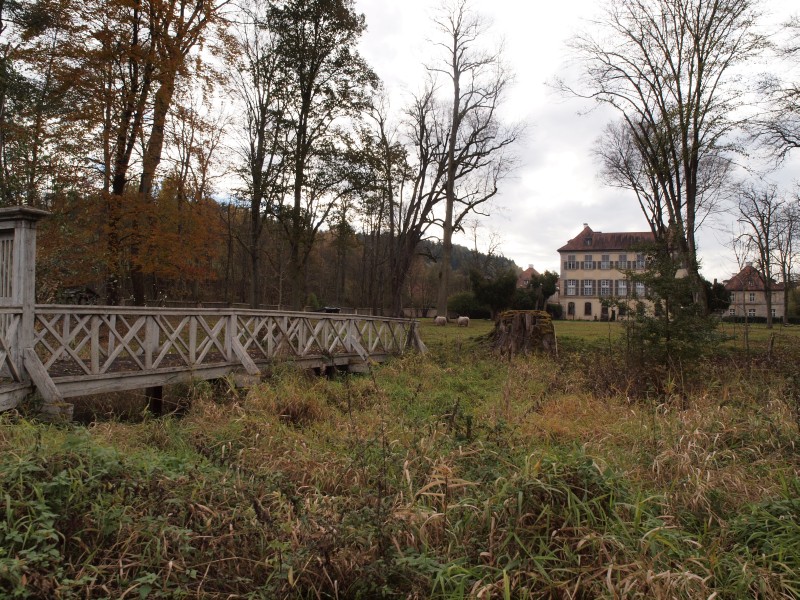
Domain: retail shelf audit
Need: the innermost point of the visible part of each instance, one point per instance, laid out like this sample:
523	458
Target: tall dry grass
450	475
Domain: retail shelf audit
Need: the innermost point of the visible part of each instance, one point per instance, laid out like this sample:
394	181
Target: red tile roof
749	280
589	241
525	277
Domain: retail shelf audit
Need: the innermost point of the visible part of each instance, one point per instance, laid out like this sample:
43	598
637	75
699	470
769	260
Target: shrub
466	305
556	310
312	302
523	300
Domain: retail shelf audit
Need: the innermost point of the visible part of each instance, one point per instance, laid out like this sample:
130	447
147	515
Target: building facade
748	296
593	282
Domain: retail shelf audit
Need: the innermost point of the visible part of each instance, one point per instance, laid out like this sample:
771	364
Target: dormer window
587	241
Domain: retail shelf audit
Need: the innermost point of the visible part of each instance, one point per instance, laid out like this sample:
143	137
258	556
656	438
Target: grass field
448	475
594	331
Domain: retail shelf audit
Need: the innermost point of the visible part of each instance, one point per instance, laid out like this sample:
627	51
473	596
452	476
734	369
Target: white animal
463	321
441	321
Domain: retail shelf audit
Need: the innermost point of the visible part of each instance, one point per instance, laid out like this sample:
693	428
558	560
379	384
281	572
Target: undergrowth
450	475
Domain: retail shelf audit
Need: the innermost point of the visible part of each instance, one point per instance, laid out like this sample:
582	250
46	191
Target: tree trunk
444	271
255	258
768	298
523	331
450	191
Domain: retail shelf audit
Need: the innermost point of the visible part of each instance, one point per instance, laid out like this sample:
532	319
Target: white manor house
592	270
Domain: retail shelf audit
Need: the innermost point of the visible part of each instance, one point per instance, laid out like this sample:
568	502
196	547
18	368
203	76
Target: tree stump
523	331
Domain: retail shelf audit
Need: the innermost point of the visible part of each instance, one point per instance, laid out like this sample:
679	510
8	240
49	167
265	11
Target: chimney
585	224
749	264
530	265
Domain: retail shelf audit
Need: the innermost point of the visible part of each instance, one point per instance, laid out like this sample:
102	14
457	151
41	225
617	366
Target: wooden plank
38	374
120	382
355	343
230	335
114	311
192	340
95	345
12	394
150	341
244	358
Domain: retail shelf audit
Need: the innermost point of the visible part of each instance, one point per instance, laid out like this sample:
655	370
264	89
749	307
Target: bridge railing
100	340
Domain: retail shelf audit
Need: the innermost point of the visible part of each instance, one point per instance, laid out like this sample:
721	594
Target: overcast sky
556	188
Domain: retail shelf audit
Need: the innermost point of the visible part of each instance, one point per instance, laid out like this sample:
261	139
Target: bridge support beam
155	399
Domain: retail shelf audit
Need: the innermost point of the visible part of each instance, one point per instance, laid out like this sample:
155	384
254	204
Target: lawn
448	475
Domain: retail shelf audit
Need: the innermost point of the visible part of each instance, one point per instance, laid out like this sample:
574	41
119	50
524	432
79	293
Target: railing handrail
90	309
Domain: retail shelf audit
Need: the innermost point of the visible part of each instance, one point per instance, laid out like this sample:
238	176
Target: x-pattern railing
9	322
99	341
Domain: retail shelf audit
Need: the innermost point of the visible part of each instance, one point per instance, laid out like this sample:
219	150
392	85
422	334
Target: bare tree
482	261
668	67
786	248
258	83
625	164
477	141
421	188
778	128
759	214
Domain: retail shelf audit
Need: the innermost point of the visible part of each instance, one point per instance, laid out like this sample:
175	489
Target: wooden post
18	293
18	285
155	400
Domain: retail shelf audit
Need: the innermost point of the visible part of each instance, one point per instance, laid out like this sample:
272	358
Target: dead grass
451	475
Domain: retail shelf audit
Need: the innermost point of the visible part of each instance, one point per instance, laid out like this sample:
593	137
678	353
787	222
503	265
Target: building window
640	262
623	261
640	289
732	312
752	296
605	261
571	262
572	287
587	309
605	287
773	313
588	287
751	312
571	309
622	288
588	262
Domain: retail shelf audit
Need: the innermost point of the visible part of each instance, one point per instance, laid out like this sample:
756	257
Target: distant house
748	296
593	266
525	277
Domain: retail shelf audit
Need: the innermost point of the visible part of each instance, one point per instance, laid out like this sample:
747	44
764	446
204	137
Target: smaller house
525	277
748	295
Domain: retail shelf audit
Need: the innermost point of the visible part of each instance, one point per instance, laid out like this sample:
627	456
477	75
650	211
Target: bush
312	302
465	305
760	320
524	299
556	310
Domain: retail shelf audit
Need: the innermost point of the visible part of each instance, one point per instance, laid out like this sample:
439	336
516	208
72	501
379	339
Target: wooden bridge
67	351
